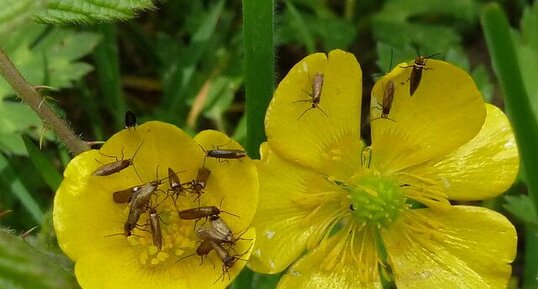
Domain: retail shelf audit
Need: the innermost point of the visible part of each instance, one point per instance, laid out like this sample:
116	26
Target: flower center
376	201
174	236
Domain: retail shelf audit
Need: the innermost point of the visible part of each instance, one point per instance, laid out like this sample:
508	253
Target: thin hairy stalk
30	96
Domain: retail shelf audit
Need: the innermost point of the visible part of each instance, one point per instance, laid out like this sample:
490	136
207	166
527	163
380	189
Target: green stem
518	108
259	64
349	10
29	96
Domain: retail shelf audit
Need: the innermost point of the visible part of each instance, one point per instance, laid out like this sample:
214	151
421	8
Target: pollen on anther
162	256
152	250
144	257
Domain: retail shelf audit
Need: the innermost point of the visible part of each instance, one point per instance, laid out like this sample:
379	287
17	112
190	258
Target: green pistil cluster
376	200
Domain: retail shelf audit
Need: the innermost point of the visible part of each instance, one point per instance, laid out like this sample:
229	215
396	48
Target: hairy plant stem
30	96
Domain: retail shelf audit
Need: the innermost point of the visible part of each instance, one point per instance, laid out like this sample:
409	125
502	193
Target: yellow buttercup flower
348	212
90	224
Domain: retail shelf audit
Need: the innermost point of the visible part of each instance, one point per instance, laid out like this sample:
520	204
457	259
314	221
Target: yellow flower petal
335	265
310	139
73	210
234	182
123	270
445	112
465	247
291	212
85	214
485	166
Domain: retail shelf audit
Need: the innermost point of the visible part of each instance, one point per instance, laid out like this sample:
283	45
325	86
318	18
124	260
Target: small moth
117	166
315	94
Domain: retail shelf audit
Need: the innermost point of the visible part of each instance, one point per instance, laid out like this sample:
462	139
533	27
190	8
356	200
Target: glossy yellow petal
484	167
347	261
314	138
445	112
85	214
465	247
234	182
80	225
122	269
295	209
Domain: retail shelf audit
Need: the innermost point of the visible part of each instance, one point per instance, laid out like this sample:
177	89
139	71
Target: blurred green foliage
183	63
527	49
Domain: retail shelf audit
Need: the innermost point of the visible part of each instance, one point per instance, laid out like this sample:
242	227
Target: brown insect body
218	224
227	260
139	203
198	213
226	154
173	180
416	74
418	66
315	94
203	250
125	196
388	97
112	168
214	235
386	104
176	188
117	166
198	185
155	226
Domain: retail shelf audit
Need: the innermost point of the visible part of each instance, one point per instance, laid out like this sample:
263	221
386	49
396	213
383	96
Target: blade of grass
10	178
108	70
258	20
503	54
174	101
43	165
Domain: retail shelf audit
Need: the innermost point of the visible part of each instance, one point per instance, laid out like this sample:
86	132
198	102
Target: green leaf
220	98
24	267
522	208
432	25
313	24
43	165
248	279
91	11
44	56
10	178
48	57
17	118
298	24
178	76
108	71
16	12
